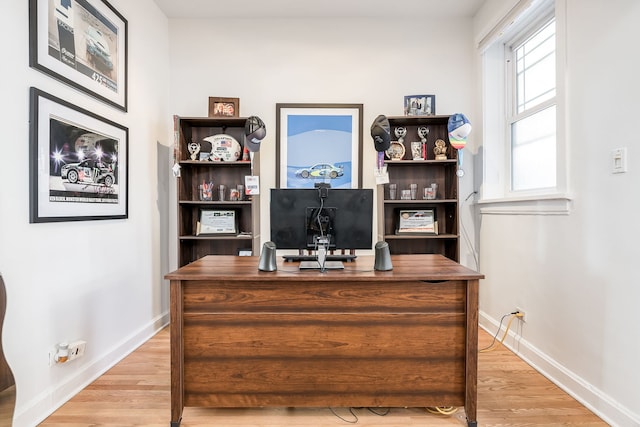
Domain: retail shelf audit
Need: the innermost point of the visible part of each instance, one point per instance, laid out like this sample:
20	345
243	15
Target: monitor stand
321	262
315	265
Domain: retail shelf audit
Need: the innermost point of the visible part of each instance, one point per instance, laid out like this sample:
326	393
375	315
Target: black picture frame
78	163
83	43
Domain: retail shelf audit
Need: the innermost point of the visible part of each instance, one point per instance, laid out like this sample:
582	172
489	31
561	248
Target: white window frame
496	195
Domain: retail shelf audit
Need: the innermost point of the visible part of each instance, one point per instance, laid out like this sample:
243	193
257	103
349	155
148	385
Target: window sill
556	204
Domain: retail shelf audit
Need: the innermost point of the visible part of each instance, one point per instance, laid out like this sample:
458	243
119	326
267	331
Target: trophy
400	133
194	149
440	150
423	132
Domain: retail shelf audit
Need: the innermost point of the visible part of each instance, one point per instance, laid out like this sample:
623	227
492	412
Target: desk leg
177	352
471	398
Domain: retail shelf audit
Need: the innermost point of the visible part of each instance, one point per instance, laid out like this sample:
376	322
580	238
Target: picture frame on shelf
419	105
217	222
78	163
319	143
417	221
224	107
82	43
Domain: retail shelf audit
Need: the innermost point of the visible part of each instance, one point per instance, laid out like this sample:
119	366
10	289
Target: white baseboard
40	407
612	412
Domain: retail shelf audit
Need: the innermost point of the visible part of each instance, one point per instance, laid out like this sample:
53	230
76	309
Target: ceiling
207	9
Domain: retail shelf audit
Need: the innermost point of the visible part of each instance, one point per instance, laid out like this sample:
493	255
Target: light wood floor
136	393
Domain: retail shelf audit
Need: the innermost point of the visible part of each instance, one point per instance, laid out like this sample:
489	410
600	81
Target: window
523	133
532	118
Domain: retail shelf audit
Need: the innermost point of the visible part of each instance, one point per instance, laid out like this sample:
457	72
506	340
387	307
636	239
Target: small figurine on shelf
440	150
194	149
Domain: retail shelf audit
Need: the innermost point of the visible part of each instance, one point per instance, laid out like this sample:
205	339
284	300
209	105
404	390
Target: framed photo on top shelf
224	107
419	105
78	163
82	43
319	143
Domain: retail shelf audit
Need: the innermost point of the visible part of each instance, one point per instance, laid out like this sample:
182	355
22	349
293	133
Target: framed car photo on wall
77	163
82	43
319	143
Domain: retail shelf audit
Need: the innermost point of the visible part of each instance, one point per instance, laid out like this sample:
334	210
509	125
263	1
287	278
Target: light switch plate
619	160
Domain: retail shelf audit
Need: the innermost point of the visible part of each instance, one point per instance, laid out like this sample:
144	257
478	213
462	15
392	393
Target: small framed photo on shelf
417	222
217	222
224	107
419	105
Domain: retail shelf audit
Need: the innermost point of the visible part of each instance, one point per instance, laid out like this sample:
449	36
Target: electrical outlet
76	349
522	314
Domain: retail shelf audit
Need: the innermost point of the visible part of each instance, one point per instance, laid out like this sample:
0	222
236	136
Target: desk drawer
334	296
324	335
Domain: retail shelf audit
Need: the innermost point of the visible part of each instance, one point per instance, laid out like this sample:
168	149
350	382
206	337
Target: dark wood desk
343	338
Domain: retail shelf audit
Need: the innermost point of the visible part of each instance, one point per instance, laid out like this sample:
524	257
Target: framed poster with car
78	163
82	43
319	143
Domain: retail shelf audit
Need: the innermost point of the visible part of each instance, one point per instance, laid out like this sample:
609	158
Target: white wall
100	281
575	276
370	61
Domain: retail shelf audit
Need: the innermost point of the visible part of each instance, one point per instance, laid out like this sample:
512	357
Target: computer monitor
299	216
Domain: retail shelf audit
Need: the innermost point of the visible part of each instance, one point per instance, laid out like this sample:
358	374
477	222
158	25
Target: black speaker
268	257
383	257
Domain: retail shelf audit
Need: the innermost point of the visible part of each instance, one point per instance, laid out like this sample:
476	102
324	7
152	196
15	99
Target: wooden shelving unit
423	173
194	172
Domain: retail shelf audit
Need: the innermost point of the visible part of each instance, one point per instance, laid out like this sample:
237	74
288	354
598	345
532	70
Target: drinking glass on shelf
405	195
206	191
393	191
429	194
413	191
221	192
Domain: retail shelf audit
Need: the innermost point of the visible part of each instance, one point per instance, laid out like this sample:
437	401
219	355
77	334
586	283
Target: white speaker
383	257
268	257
